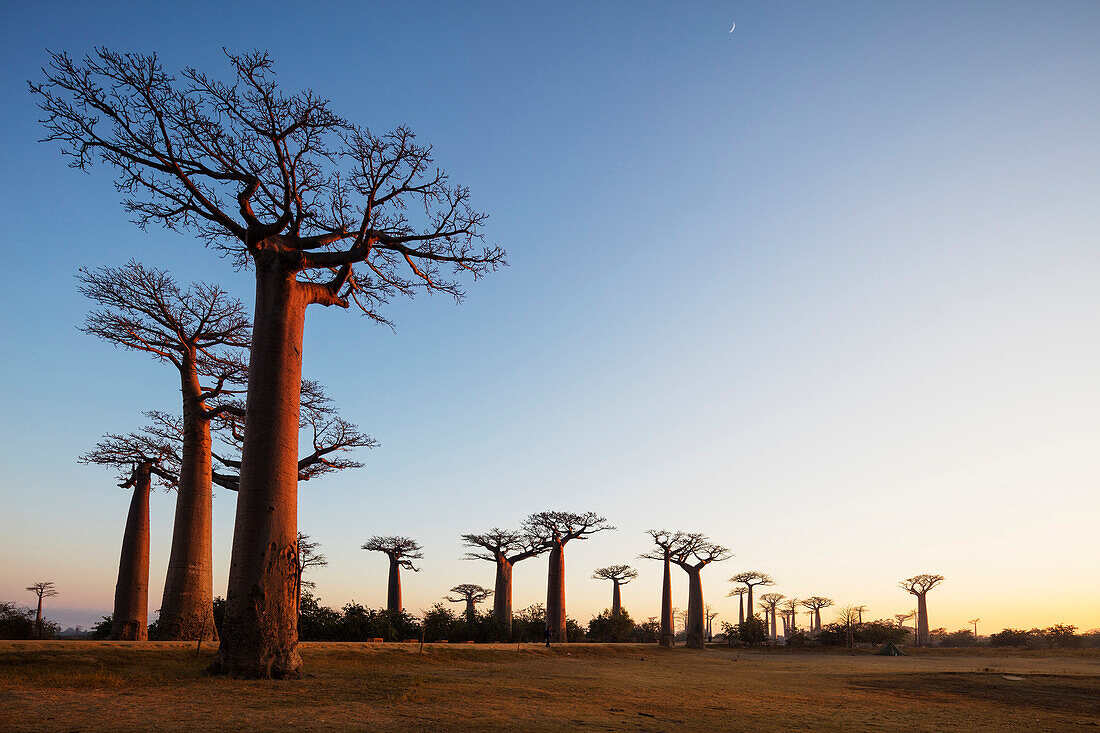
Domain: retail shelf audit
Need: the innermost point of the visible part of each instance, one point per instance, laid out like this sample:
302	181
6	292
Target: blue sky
824	288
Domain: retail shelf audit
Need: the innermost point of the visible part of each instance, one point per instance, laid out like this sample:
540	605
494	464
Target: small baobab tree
42	589
471	595
694	553
769	602
139	458
919	585
204	334
666	543
401	551
848	618
711	615
619	575
740	593
814	604
308	558
555	530
326	212
974	622
750	579
790	611
504	548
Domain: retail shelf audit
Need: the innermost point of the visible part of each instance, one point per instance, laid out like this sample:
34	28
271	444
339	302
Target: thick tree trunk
922	614
616	600
774	634
393	589
785	627
470	610
741	609
186	608
748	605
817	620
131	615
668	636
555	593
695	611
502	596
260	636
38	619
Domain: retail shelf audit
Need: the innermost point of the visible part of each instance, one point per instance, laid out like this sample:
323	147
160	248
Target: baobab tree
667	543
848	617
740	593
815	604
204	334
901	618
974	623
556	530
769	602
694	553
471	595
859	612
504	548
711	614
139	458
401	551
279	182
42	589
751	579
619	575
919	585
790	610
308	558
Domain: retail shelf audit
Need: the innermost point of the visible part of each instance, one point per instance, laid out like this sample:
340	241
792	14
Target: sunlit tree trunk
131	615
393	591
555	593
695	612
774	634
667	633
616	600
260	637
922	615
817	619
186	608
502	595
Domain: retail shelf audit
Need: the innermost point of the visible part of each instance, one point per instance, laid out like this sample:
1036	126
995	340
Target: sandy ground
161	685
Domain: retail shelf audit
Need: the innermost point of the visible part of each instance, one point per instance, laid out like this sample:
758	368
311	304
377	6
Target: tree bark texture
186	608
695	611
130	619
922	613
393	588
616	600
260	636
817	620
555	593
774	634
668	636
502	596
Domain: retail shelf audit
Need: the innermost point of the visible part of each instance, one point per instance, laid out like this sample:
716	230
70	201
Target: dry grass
141	686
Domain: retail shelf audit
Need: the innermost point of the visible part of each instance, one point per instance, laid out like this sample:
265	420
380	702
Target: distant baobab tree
619	575
815	604
740	593
711	614
401	551
471	595
280	182
42	589
848	618
790	610
974	622
919	585
504	548
769	602
901	618
204	334
666	542
308	558
555	530
694	552
138	459
750	579
859	612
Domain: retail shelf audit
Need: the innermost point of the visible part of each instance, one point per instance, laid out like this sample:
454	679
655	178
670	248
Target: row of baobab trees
322	211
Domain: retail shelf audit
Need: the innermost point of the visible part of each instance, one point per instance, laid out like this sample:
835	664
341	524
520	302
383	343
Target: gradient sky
825	288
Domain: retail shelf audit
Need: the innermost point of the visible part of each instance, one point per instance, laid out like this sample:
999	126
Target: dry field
89	686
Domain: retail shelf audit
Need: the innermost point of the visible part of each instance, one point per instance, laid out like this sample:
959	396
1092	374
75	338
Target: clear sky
824	288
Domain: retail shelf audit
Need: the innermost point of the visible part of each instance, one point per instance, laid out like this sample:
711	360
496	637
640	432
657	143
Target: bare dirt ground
90	686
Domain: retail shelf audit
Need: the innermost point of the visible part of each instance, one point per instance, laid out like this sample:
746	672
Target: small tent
891	651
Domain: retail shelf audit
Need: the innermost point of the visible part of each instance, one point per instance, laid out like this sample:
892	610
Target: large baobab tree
740	593
324	211
504	548
42	589
666	544
138	458
769	602
308	558
556	530
204	334
751	579
471	595
619	575
815	604
919	585
401	551
694	553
